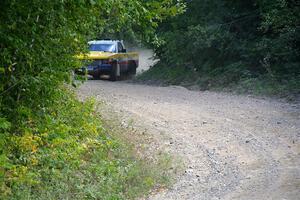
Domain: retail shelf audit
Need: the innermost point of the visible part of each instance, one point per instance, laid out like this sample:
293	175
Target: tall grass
66	153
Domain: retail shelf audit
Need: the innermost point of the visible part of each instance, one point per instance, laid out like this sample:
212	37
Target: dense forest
52	146
251	45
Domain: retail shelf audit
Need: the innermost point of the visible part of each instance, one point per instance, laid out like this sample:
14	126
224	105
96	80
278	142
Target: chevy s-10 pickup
109	57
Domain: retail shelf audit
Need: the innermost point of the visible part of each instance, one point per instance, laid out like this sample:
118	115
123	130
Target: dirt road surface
233	147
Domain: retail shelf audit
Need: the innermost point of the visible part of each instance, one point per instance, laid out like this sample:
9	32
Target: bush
51	145
65	153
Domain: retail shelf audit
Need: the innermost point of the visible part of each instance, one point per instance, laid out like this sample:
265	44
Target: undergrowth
263	85
65	153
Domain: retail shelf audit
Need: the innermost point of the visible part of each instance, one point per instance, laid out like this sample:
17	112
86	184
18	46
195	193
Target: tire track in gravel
233	147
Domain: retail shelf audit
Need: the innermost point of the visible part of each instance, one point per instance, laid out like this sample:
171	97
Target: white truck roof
105	41
109	42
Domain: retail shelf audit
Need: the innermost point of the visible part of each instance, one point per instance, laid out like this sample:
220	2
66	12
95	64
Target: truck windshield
102	47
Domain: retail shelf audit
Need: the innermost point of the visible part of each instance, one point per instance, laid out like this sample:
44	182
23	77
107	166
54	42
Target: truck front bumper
95	70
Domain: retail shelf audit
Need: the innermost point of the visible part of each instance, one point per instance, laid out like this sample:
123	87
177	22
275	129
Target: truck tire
96	77
133	69
113	73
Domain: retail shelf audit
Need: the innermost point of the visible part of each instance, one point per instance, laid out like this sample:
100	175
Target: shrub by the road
51	145
63	152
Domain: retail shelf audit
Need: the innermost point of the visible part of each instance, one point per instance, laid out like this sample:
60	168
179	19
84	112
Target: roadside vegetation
53	146
244	46
66	153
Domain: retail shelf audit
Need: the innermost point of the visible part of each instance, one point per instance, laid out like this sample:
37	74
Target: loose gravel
233	147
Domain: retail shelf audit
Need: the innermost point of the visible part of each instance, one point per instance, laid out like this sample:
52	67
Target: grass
71	152
162	75
264	85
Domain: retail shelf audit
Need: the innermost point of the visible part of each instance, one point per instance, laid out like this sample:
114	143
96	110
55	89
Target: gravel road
233	147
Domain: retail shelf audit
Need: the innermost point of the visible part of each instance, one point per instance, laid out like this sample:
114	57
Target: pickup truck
109	57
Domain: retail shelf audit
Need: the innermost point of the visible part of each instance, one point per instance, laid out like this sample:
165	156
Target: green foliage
65	153
162	75
51	145
230	80
39	40
234	40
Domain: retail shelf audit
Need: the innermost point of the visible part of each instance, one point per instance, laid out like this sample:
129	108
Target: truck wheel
113	73
133	71
96	77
